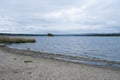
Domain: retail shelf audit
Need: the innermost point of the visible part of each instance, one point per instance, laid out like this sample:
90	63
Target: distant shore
50	34
19	65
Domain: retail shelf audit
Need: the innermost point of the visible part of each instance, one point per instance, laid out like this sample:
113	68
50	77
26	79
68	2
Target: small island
50	34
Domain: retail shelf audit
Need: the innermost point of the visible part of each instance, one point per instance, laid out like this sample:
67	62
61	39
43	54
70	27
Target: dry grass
8	39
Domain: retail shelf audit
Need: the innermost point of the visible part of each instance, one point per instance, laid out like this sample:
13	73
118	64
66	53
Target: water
102	48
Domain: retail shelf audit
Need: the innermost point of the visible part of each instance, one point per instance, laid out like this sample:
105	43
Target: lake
101	48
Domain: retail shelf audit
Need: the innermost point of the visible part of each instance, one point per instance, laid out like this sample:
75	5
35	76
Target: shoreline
14	66
73	59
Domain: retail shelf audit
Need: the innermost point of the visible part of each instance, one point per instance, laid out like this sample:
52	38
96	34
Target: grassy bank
8	39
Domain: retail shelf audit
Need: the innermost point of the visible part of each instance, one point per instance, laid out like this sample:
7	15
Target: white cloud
72	13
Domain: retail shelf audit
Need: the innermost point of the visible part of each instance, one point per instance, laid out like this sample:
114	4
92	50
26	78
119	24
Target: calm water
105	48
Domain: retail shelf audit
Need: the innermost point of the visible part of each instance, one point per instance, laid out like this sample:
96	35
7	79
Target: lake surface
102	48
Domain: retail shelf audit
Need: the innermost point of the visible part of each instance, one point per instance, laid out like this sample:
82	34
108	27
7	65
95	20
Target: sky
59	16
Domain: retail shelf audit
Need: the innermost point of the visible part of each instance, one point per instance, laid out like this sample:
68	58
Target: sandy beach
14	66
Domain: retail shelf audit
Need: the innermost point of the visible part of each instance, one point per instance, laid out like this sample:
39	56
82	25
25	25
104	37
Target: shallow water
103	48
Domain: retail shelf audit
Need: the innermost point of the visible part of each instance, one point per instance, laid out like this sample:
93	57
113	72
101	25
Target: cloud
36	16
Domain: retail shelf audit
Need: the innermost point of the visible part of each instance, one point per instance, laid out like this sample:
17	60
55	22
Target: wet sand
14	65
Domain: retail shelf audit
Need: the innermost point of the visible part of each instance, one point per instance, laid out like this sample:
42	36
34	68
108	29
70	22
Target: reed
8	39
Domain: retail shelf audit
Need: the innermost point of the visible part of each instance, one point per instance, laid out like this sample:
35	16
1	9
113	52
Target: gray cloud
59	16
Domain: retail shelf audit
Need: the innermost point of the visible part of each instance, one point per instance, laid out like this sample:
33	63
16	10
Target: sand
21	67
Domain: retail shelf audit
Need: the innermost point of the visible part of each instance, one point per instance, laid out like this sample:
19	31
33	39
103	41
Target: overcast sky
59	16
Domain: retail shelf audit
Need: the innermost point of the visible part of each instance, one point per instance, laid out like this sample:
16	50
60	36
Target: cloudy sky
59	16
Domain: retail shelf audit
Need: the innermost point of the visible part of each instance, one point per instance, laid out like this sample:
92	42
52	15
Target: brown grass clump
8	39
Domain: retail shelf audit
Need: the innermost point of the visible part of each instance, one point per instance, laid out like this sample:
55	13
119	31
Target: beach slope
21	67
